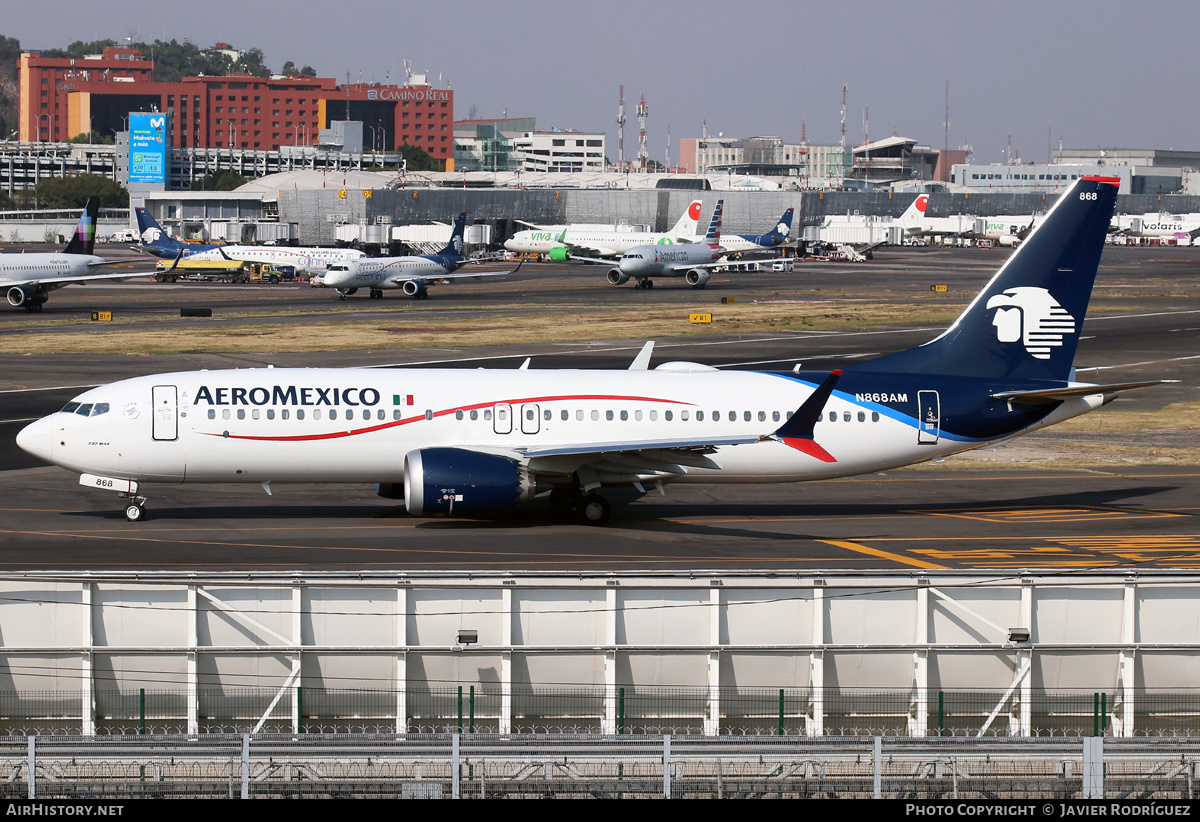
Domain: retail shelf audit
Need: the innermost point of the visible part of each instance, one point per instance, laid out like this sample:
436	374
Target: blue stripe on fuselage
967	414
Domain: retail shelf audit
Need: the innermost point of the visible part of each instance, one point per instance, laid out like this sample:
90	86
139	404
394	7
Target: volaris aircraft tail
1025	324
83	241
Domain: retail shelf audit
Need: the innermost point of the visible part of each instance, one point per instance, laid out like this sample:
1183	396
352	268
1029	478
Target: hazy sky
1093	72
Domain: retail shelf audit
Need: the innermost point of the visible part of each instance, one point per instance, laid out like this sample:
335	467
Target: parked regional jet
152	239
692	261
739	243
412	275
559	245
27	278
481	442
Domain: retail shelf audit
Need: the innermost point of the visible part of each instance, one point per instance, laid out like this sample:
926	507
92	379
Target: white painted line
51	388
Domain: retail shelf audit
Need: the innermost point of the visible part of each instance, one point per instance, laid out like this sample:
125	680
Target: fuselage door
530	419
929	420
502	419
165	424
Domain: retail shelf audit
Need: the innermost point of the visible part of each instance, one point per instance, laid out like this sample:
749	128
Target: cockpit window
70	407
99	408
339	268
84	409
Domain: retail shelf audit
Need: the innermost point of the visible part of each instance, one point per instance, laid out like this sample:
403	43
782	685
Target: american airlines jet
479	442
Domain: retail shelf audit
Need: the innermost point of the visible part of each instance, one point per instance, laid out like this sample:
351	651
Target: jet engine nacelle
26	296
1009	240
414	288
457	481
617	277
560	255
697	277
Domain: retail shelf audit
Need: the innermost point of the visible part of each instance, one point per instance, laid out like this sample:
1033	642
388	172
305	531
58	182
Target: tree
218	181
92	137
74	191
418	159
308	71
289	68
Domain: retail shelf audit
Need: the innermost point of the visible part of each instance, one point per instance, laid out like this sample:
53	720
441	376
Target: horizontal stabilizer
1039	397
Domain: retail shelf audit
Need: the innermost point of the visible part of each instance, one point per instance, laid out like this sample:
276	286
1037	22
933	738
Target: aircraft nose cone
37	439
510	245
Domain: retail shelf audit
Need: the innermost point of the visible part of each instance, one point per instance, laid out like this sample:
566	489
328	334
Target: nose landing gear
135	507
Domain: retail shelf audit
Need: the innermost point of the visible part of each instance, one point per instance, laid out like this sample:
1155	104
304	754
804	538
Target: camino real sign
149	147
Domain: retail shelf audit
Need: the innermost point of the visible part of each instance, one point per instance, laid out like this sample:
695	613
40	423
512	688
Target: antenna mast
642	111
621	130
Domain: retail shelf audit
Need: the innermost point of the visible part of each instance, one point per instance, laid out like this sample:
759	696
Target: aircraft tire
135	512
594	510
649	283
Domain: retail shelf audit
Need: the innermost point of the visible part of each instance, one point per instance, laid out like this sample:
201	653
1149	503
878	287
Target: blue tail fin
83	241
780	232
1025	323
455	247
152	238
714	226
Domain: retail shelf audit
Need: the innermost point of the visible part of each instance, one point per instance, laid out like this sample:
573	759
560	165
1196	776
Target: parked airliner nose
37	439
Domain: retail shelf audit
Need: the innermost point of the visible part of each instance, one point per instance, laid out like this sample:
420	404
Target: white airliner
27	279
559	245
479	442
153	239
1178	226
412	275
692	261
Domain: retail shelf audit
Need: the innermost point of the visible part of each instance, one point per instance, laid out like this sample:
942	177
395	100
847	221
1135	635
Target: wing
80	279
587	250
590	259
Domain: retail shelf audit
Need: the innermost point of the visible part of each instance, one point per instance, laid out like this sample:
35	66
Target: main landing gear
645	284
589	509
135	507
376	293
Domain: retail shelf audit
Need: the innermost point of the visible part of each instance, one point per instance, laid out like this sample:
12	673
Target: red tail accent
809	447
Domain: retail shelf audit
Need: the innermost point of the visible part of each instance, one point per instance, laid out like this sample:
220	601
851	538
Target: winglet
642	361
797	432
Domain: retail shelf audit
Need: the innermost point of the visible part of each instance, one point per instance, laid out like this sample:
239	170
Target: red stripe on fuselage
333	435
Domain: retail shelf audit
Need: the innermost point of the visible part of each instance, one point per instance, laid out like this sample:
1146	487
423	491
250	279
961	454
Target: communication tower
621	130
643	155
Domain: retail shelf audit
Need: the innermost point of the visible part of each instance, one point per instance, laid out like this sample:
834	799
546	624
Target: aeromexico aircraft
479	442
692	261
28	278
412	275
559	245
152	239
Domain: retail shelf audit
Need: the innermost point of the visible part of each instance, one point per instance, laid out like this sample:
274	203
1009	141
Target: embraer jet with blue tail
739	243
412	275
481	442
154	240
28	278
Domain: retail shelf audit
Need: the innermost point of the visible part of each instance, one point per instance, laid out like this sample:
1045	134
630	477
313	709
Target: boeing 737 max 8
479	442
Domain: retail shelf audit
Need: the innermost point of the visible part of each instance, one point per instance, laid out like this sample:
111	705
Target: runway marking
875	552
1043	515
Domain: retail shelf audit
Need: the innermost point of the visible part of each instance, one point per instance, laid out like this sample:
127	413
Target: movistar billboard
149	147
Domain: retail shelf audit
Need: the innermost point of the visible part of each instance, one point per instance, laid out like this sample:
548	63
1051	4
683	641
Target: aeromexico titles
481	442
